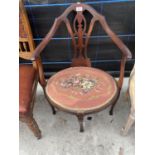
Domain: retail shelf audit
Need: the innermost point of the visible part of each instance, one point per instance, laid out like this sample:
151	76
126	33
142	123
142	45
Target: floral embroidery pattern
83	83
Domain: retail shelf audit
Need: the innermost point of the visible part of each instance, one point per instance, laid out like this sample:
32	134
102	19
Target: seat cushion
81	89
26	82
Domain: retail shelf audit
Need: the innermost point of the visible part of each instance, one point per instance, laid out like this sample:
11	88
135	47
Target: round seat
81	89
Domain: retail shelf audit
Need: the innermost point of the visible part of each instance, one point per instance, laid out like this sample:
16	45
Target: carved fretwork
80	38
79	28
24	46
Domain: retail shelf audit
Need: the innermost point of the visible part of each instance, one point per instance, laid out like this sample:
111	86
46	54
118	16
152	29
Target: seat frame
78	30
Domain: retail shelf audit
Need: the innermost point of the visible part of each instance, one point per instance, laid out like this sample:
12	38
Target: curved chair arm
39	69
46	40
39	49
126	53
121	76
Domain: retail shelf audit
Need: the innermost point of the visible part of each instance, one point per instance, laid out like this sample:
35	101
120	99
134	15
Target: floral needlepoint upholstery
78	82
81	88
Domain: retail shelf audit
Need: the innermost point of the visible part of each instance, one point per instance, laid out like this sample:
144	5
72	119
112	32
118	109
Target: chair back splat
80	30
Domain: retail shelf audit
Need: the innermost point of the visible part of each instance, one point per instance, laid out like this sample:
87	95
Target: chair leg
121	151
33	126
113	105
53	109
80	119
128	125
112	108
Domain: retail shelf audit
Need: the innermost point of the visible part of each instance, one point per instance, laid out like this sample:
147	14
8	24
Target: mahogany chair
28	77
80	32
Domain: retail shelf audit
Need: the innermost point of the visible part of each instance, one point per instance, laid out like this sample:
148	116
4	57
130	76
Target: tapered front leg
113	105
52	107
33	126
128	125
112	109
81	119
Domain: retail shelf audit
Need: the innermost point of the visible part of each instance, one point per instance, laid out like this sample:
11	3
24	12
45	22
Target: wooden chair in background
28	76
70	99
131	95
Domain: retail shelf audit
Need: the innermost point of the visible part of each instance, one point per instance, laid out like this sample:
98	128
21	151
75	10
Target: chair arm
126	53
39	69
46	40
123	48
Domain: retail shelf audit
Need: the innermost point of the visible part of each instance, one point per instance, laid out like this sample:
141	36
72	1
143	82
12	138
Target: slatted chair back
26	43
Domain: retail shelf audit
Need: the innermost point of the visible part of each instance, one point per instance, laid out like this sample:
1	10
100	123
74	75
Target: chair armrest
46	40
39	69
123	48
126	53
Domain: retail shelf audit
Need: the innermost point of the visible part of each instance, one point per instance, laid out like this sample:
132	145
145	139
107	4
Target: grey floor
61	136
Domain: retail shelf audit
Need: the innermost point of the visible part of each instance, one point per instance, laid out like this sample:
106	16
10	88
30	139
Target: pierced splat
80	37
79	29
